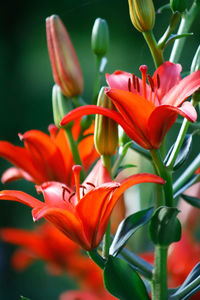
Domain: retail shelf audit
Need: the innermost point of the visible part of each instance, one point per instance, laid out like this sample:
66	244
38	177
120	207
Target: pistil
76	171
143	70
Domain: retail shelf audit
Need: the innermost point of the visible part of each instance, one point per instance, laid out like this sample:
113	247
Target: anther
158	81
133	81
129	84
65	189
137	84
76	171
89	183
143	70
150	80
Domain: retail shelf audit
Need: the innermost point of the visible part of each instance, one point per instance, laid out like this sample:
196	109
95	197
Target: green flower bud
178	5
106	130
61	105
100	37
142	14
195	66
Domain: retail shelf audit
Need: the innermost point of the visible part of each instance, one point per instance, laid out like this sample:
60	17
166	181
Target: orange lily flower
45	157
85	295
82	215
61	254
146	111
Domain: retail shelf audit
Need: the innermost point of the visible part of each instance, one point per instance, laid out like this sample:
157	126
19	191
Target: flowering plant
97	150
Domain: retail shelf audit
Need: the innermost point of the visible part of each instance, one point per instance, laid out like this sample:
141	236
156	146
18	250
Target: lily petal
45	154
162	119
185	88
66	221
90	209
13	173
94	109
169	75
21	197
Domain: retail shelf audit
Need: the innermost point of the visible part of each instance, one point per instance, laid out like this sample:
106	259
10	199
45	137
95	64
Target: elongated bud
106	130
100	37
61	105
142	14
195	66
65	66
178	5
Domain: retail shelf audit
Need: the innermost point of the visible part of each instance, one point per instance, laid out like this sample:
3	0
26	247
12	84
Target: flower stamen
129	85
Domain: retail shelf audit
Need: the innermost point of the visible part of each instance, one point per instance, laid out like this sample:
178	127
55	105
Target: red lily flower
61	254
82	215
146	111
45	157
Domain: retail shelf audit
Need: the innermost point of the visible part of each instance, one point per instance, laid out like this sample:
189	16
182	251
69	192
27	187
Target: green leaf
163	8
121	168
185	186
190	286
191	200
141	150
127	227
174	37
24	298
122	281
164	227
183	153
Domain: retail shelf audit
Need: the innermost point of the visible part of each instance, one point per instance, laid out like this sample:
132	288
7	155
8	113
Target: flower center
134	85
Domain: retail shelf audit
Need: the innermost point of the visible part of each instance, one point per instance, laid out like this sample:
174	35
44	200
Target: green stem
186	175
187	19
166	175
75	152
156	52
159	282
97	83
94	255
179	141
106	240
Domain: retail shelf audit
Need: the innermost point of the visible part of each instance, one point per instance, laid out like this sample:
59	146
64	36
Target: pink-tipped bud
65	65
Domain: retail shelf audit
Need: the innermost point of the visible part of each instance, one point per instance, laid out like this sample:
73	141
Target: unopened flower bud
178	5
61	105
142	14
100	37
106	130
65	66
195	66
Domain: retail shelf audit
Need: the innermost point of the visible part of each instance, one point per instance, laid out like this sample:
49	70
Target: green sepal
127	228
122	281
164	226
183	153
191	200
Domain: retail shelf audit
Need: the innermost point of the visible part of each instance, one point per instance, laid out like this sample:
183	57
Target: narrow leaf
183	153
127	227
191	200
174	37
121	168
185	186
122	281
163	8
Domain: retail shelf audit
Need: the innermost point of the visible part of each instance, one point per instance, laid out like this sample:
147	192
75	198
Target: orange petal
162	119
21	197
186	87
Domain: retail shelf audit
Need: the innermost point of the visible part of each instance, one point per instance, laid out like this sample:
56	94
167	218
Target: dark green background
25	89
